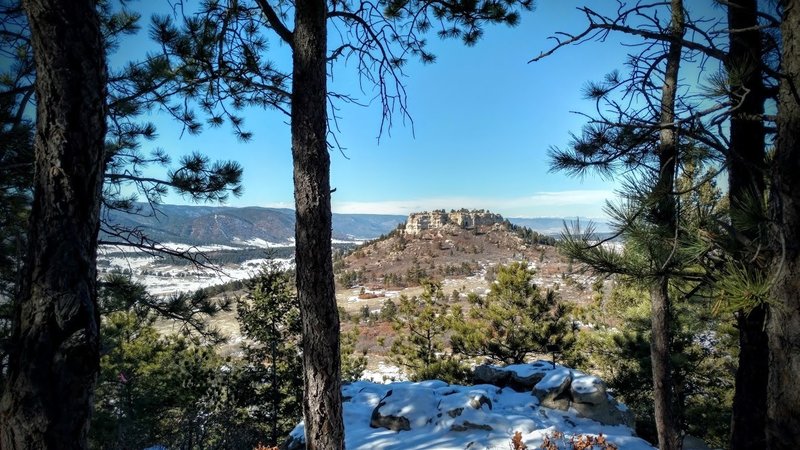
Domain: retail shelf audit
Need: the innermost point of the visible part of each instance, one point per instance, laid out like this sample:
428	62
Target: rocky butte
419	222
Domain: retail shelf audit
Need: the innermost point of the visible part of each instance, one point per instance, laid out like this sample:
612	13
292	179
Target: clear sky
483	120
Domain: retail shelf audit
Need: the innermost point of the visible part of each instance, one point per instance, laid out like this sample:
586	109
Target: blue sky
483	121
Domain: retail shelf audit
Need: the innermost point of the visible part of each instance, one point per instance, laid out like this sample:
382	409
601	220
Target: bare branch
276	23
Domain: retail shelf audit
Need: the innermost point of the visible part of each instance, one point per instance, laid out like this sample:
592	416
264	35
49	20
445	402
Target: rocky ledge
419	222
537	400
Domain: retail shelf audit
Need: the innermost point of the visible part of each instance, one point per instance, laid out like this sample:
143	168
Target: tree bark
54	357
746	184
664	216
667	426
322	405
783	324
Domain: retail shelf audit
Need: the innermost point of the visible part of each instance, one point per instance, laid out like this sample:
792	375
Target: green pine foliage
167	389
703	349
155	389
269	317
514	321
175	390
353	362
189	311
388	310
422	324
272	373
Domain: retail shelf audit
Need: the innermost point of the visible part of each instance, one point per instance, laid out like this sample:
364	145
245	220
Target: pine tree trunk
783	325
666	423
55	344
322	406
664	214
746	184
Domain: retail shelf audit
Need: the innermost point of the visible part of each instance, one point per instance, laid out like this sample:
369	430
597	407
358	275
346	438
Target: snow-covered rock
560	388
520	377
436	415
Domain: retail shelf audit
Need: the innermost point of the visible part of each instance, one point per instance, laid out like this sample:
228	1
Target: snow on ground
163	279
356	241
179	247
173	246
261	243
384	373
441	416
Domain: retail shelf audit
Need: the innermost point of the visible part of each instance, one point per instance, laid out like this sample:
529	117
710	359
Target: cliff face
419	222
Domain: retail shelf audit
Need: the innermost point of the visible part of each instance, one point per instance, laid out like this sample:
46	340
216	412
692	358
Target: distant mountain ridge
254	226
555	225
225	225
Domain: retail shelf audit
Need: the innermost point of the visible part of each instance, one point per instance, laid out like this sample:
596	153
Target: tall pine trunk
322	405
783	324
664	215
55	343
746	184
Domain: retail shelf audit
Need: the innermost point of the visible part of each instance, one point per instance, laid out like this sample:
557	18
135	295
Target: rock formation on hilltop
466	219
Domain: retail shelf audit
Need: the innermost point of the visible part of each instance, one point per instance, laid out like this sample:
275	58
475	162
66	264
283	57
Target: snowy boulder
553	391
563	388
400	408
588	389
520	377
434	415
590	400
388	421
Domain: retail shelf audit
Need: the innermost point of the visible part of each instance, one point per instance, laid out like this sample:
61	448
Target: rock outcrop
520	377
559	388
420	222
535	400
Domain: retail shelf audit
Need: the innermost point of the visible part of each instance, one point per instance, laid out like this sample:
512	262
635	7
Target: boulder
514	377
380	419
587	395
496	376
590	399
589	390
553	391
390	422
478	400
405	407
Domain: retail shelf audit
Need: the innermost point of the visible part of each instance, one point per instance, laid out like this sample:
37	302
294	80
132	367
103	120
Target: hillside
430	247
253	226
462	257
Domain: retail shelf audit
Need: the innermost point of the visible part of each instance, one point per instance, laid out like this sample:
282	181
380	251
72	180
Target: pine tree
272	377
129	92
269	317
514	321
744	49
56	324
783	325
703	351
420	345
353	362
156	388
152	389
